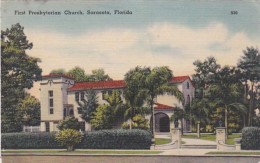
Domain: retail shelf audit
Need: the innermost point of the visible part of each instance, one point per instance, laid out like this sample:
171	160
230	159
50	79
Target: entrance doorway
162	122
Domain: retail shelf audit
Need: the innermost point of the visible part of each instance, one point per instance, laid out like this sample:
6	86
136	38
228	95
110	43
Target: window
82	96
77	96
64	112
50	93
51	110
71	112
51	102
188	100
79	110
47	126
82	126
104	94
188	85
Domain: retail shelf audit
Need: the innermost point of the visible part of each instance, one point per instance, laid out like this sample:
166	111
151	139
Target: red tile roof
179	79
111	84
163	107
57	76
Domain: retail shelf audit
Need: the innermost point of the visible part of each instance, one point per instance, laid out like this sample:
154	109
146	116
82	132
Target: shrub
139	122
69	123
69	138
102	139
250	138
117	139
29	141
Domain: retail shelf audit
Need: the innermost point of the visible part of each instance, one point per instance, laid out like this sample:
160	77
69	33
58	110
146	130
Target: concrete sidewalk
198	142
187	152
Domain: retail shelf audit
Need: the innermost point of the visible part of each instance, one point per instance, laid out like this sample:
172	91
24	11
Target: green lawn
212	137
235	153
160	141
84	151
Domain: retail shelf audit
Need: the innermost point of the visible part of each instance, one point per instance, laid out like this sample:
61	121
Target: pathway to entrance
189	143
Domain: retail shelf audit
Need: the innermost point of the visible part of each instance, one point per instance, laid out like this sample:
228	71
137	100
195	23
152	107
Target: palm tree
249	64
156	83
180	114
199	112
227	92
134	93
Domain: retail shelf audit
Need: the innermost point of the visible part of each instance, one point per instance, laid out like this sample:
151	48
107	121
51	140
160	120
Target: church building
59	96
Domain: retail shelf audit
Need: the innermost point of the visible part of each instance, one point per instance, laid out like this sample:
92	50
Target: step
192	146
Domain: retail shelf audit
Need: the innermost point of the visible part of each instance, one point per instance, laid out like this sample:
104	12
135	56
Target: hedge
117	139
42	140
103	139
250	138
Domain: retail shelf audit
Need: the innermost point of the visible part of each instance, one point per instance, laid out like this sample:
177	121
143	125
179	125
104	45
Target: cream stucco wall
59	87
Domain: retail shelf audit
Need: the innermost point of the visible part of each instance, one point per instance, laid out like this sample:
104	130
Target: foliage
99	75
102	117
58	71
249	65
256	121
69	138
69	123
146	84
226	93
116	139
203	76
18	71
102	139
29	108
78	74
134	94
250	138
108	115
88	105
139	122
29	141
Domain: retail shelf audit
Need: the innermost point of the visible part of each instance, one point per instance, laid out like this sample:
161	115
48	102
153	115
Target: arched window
188	100
188	85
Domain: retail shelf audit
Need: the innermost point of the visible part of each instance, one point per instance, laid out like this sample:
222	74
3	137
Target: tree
227	92
249	64
18	71
99	75
69	138
139	122
157	83
78	74
179	114
199	112
58	71
134	92
108	115
102	117
29	108
69	123
88	105
204	73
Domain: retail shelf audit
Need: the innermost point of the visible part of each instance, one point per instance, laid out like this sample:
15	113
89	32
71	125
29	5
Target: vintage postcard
130	81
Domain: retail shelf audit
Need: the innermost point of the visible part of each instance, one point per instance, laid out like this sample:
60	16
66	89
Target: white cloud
118	50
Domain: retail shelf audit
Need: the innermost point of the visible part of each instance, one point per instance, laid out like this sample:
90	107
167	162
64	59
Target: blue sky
165	32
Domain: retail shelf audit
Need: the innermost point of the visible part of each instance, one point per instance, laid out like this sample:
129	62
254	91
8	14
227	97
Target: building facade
60	94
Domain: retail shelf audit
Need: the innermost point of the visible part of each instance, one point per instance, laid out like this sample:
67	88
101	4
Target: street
130	159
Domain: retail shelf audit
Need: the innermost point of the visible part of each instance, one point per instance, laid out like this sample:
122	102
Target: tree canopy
18	71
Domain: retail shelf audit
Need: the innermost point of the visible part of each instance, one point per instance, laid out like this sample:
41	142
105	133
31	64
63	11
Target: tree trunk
70	148
130	126
198	129
251	104
226	121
